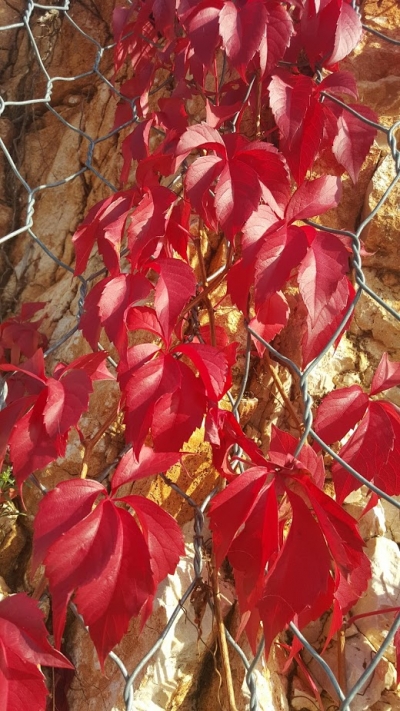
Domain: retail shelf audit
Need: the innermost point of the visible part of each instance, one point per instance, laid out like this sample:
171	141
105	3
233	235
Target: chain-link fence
38	27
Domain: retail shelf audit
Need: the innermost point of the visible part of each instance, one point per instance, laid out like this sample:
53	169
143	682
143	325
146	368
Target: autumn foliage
253	103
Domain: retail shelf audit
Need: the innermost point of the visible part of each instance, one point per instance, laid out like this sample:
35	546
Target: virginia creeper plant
251	103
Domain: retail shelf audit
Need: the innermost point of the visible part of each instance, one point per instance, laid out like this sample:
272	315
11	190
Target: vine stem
222	643
203	271
208	289
258	99
90	445
341	660
281	389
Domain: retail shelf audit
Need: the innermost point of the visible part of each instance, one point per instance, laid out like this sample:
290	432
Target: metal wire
64	12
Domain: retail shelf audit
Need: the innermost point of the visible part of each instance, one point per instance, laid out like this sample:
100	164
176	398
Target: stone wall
47	151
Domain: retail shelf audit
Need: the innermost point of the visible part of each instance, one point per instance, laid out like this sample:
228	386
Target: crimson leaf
175	285
105	222
387	375
111	572
107	304
147	463
244	172
40	436
354	139
339	412
372	450
242	28
295	584
23	648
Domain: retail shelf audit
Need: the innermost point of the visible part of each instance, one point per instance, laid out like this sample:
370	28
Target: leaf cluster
250	101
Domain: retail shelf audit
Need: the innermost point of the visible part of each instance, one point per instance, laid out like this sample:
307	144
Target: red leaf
246	170
271	317
106	307
396	642
40	436
162	534
277	33
272	173
213	365
282	444
105	222
339	412
23	647
281	252
146	231
130	89
164	15
163	394
197	136
147	463
388	478
320	272
203	30
199	178
318	332
217	115
314	198
367	451
60	511
300	119
94	364
354	139
340	83
317	30
386	376
65	402
134	358
20	337
230	509
135	146
254	546
8	418
143	318
223	432
242	28
241	274
33	368
296	585
98	557
348	589
175	285
289	100
339	528
301	154
178	413
177	233
348	33
172	115
146	384
237	195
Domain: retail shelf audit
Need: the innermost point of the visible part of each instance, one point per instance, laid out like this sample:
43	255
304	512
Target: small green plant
8	492
7	480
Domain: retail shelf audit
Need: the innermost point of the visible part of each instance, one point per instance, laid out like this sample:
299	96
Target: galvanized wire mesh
38	20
